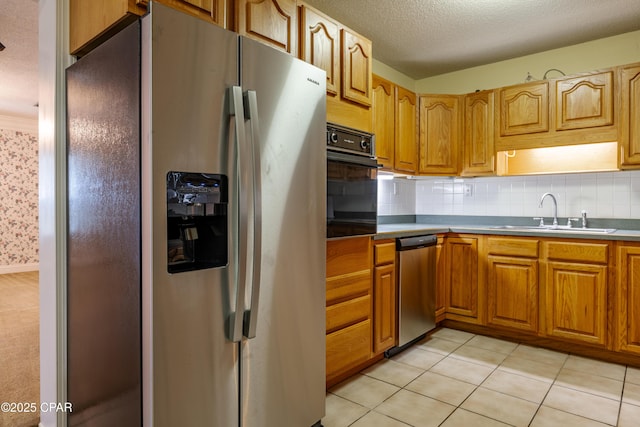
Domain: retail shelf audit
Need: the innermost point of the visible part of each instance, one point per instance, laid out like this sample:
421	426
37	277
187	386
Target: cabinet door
356	68
406	146
524	109
584	102
273	22
462	270
439	134
630	116
213	10
384	294
91	22
512	292
383	103
479	155
320	44
441	279
576	301
628	299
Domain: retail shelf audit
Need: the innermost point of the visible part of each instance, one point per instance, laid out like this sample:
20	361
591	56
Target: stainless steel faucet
555	206
584	219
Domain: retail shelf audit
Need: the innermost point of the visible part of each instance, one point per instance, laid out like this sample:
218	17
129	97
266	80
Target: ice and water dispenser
196	221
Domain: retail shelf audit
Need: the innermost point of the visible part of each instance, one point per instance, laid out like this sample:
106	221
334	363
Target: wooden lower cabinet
384	296
576	294
628	298
349	302
462	296
512	283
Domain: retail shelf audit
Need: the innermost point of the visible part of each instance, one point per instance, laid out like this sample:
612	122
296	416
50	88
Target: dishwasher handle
416	242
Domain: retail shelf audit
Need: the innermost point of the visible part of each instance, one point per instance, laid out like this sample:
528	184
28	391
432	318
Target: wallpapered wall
18	196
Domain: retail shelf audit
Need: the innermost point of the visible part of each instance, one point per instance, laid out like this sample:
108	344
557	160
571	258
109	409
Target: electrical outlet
468	190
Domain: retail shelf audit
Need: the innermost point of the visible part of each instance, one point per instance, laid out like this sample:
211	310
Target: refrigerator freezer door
283	366
103	278
191	369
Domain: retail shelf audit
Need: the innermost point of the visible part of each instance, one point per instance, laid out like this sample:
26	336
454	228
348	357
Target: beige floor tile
631	394
501	407
584	404
594	384
364	390
393	372
549	417
415	409
517	386
542	355
492	344
418	357
530	368
596	367
633	375
453	335
439	387
462	370
374	419
462	418
629	415
479	355
341	412
438	345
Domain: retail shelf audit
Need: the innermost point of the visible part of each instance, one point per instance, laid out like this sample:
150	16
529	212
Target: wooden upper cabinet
383	107
213	10
629	131
585	101
478	147
524	109
274	22
439	134
93	21
356	67
320	44
406	146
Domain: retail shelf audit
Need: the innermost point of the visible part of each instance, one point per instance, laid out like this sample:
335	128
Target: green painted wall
584	57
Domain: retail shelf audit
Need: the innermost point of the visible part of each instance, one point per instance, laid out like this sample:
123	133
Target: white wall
602	195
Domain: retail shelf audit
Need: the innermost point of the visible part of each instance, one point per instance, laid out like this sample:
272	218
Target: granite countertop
397	230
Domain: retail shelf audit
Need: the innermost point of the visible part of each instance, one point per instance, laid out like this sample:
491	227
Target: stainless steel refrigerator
196	230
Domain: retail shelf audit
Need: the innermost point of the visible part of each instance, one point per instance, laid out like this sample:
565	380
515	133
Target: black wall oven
352	185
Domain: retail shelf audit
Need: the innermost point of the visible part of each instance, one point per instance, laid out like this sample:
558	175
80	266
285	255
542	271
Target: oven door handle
336	156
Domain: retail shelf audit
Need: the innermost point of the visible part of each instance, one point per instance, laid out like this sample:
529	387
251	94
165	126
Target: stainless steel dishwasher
417	288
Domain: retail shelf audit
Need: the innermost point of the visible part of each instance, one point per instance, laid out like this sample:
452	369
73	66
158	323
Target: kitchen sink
553	229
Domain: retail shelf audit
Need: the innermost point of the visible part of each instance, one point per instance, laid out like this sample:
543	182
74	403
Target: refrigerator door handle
251	315
240	247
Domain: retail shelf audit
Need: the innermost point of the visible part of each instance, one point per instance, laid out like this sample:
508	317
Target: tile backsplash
601	194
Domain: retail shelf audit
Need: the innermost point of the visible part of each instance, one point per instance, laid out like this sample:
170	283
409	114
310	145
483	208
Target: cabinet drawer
579	252
384	253
513	247
348	286
348	255
348	347
348	312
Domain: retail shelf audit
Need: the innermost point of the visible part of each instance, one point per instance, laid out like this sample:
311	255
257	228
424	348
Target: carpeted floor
19	347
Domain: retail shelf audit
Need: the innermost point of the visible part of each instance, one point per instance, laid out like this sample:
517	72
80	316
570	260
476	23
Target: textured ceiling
420	38
424	38
19	59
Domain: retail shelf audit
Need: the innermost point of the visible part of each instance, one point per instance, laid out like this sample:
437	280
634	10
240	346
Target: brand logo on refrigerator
309	79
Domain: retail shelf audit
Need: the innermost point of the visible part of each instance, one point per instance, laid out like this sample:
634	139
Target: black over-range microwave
352	185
